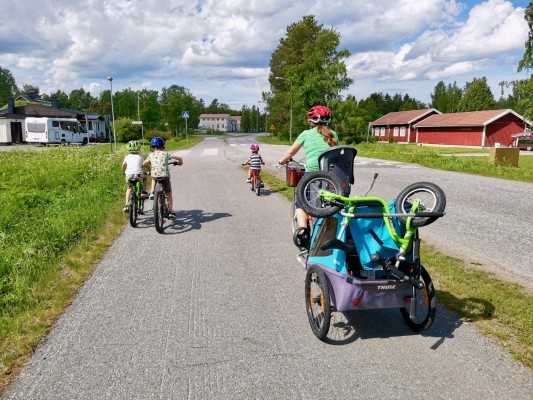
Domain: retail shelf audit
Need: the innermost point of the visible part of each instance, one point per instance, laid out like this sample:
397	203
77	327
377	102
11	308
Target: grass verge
53	232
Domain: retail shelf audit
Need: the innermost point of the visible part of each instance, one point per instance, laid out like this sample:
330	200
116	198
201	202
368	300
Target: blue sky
221	48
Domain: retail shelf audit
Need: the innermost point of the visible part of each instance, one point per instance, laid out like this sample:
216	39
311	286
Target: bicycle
255	181
161	210
365	252
136	204
293	174
339	160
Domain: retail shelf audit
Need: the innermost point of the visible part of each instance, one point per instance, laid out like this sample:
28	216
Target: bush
126	131
155	133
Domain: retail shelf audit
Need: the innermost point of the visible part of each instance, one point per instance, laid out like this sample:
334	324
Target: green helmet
134	145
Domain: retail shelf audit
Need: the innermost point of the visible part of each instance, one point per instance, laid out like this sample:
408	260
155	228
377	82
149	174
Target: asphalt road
214	309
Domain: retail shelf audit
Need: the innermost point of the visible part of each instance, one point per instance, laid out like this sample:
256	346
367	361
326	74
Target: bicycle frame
350	204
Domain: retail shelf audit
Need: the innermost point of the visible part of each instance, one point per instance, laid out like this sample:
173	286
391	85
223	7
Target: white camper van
54	130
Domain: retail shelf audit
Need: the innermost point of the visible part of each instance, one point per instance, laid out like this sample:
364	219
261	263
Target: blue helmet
157	142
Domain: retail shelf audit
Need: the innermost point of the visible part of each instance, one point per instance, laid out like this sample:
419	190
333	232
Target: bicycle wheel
432	198
317	301
133	209
159	210
141	206
308	197
426	305
258	185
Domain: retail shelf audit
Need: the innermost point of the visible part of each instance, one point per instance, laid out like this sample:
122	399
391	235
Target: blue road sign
185	114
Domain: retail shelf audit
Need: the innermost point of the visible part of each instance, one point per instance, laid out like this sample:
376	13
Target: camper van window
55	124
37	128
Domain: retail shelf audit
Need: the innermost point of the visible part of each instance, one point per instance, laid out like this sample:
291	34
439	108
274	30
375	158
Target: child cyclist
254	161
132	166
157	164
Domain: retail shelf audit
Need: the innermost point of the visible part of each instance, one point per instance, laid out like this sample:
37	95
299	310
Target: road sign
185	114
272	127
137	122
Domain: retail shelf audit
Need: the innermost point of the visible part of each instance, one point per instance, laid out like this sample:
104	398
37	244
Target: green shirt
314	144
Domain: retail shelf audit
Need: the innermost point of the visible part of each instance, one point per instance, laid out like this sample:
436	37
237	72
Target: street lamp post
279	78
110	79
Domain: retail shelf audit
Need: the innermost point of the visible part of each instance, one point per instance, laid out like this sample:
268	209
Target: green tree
27	89
79	99
59	95
150	109
312	71
477	97
527	59
446	98
8	86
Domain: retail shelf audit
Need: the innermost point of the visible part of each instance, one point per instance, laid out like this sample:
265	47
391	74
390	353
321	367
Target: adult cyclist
314	141
157	164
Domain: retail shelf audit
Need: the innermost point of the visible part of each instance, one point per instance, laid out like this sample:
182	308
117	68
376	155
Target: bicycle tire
308	188
426	190
133	210
317	301
258	186
426	305
159	211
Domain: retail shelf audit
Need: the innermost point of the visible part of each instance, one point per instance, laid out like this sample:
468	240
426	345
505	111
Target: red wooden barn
398	126
476	128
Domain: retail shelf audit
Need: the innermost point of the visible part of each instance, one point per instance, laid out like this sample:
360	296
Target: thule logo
386	287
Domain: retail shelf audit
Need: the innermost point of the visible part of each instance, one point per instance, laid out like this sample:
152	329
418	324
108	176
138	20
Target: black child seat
340	161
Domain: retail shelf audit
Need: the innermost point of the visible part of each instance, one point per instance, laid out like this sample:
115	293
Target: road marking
210	152
181	153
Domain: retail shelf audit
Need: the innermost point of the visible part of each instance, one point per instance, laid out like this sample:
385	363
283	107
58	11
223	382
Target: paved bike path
214	309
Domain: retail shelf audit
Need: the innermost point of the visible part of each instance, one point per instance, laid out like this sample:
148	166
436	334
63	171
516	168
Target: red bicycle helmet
254	147
319	115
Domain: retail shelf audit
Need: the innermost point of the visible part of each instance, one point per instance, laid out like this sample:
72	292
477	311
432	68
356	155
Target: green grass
62	211
498	309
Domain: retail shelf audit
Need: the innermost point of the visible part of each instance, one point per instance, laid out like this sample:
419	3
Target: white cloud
221	49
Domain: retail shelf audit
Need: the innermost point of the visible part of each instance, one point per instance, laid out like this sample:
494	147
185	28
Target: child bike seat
339	160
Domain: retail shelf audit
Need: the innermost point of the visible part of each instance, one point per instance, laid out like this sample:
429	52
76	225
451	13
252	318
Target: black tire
133	210
84	141
426	305
258	186
432	199
308	188
317	301
141	206
159	210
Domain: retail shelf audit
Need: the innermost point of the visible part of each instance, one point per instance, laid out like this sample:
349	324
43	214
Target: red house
399	126
476	128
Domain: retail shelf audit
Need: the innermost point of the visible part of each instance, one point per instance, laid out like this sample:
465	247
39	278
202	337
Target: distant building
430	126
399	126
476	128
216	122
12	120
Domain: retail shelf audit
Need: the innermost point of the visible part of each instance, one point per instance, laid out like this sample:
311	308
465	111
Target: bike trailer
355	281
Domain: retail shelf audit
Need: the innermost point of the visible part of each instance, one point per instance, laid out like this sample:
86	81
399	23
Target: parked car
523	142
